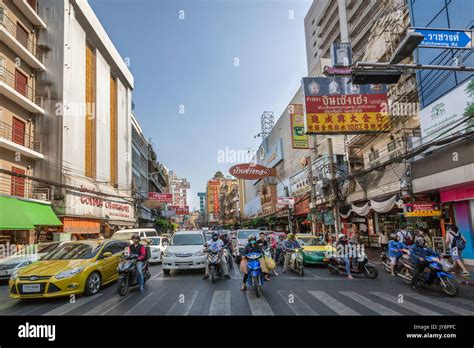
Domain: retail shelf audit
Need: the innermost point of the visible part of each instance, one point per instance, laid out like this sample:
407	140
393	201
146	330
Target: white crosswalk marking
297	305
373	306
183	304
334	304
440	304
68	307
146	304
220	304
313	275
105	307
258	305
405	304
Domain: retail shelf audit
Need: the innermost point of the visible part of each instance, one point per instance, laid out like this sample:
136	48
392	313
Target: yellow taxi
79	267
315	248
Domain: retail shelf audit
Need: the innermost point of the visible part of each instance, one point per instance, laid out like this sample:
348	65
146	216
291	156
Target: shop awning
17	214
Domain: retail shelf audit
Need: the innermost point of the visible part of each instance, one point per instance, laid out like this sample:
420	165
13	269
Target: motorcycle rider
342	248
138	249
394	252
419	253
217	244
288	247
252	247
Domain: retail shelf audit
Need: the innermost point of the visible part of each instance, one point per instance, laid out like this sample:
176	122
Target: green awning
17	214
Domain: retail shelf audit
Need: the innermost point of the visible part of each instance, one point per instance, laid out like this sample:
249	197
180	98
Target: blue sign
446	38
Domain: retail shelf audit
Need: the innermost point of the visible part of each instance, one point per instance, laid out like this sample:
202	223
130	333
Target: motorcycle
128	273
387	263
360	265
228	255
254	271
214	260
442	267
296	262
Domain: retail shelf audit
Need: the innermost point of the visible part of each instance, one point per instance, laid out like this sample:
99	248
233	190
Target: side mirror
106	254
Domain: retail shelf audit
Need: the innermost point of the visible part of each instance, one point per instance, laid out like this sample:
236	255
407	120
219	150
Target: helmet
135	236
251	237
420	241
341	236
393	236
215	236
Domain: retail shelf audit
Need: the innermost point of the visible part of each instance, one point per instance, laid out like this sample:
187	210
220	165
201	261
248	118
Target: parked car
185	251
157	247
127	234
24	257
241	242
315	249
80	267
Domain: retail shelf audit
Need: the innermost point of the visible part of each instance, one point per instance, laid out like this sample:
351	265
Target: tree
469	110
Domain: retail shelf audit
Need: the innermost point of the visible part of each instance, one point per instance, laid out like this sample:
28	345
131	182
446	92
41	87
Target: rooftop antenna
267	122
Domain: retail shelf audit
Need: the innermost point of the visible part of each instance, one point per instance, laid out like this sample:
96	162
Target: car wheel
166	272
93	283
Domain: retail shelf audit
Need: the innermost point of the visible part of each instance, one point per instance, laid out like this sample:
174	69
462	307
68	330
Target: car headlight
23	264
166	253
199	253
14	276
69	273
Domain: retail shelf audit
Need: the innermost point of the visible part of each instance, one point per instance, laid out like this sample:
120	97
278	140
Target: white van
142	232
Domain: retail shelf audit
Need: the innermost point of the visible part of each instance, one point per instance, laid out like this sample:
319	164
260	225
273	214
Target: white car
157	247
127	234
24	257
185	251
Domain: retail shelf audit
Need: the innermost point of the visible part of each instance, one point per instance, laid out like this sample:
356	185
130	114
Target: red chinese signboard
161	197
335	106
180	210
250	171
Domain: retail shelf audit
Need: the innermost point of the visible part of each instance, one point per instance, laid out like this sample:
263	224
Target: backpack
407	237
147	252
458	242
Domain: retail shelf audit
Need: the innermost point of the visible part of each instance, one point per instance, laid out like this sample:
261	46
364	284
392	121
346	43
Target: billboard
160	197
250	171
422	209
299	138
335	106
179	210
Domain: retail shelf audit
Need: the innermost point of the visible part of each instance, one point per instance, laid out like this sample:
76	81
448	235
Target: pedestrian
404	236
456	244
383	240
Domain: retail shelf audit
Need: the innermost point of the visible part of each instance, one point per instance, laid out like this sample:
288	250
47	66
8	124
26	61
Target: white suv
185	251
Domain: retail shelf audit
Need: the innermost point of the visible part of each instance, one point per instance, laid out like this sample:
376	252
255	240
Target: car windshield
155	241
123	235
151	234
72	251
37	249
187	239
311	241
245	234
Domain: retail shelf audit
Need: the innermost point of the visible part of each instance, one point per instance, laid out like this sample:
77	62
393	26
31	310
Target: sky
205	71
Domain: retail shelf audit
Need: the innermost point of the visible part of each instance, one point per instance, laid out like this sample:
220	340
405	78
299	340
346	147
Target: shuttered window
113	131
21	83
18	130
17	183
90	150
22	35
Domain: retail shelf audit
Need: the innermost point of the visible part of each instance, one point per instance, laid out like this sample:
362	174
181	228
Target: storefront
25	221
302	214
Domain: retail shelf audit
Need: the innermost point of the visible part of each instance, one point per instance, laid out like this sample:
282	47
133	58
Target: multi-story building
21	109
86	131
444	175
178	187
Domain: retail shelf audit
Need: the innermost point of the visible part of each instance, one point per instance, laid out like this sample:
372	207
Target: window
18	131
21	83
2	64
312	22
3	14
22	35
373	155
391	146
314	33
113	131
17	183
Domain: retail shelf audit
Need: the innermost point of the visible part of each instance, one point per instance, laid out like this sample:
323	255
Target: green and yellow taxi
315	249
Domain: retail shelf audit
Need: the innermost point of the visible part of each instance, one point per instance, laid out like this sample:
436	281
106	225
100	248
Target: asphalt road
317	293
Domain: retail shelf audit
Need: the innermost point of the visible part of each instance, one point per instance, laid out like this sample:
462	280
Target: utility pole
334	200
341	7
309	164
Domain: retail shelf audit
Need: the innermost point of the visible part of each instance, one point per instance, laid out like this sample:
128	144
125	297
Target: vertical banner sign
299	138
335	106
216	201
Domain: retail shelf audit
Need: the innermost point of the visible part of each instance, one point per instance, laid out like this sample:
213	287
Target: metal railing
29	44
27	140
16	186
27	91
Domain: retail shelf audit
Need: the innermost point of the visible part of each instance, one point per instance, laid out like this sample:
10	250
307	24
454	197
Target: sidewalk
374	256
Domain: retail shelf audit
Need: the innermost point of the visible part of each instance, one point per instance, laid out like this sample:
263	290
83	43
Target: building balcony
18	40
30	9
20	93
19	141
20	187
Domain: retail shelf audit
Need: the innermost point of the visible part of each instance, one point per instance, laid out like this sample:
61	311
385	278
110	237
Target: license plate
31	288
3	273
183	266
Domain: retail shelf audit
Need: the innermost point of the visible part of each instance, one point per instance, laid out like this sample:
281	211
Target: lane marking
146	304
405	304
158	275
297	305
333	304
314	275
372	305
443	305
183	308
220	304
107	306
68	307
258	305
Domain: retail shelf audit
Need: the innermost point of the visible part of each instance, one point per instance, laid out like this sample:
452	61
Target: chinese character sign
335	106
298	134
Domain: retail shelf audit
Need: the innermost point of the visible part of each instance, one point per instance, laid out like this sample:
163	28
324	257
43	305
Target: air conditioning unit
40	196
